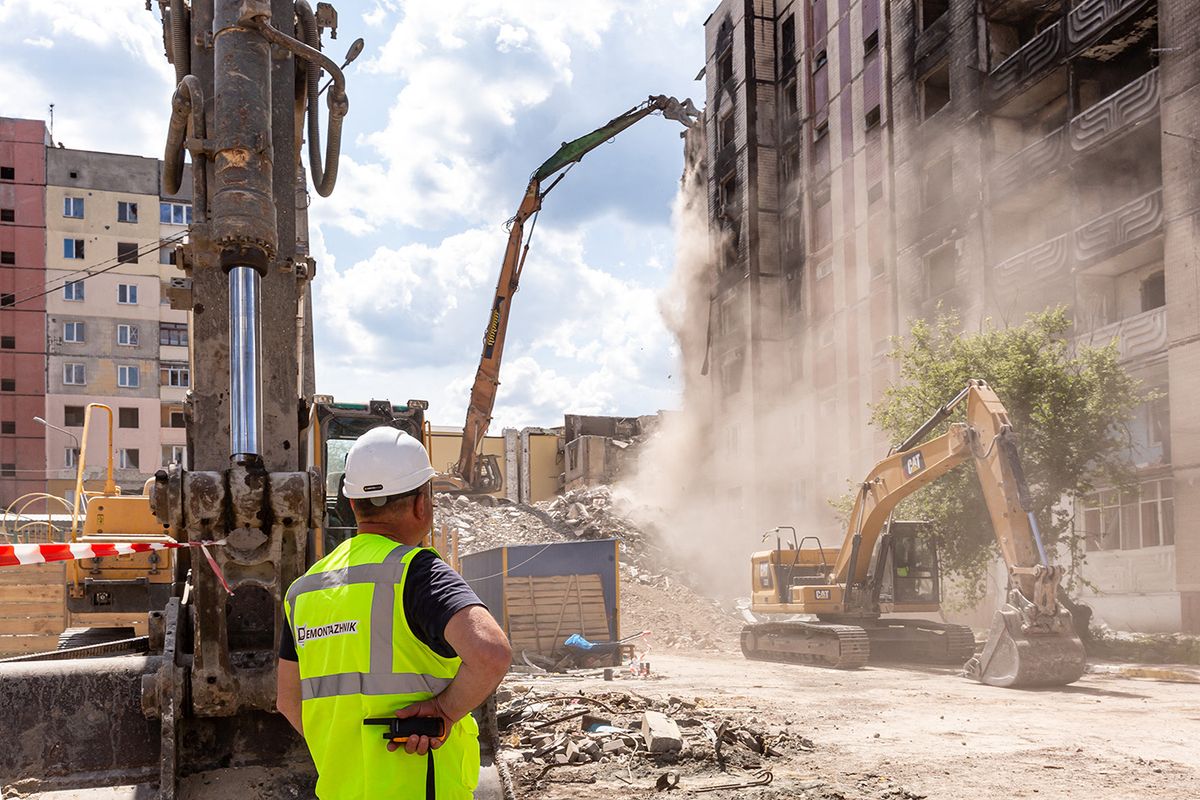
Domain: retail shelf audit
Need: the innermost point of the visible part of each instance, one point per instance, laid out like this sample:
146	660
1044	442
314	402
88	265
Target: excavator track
815	644
918	641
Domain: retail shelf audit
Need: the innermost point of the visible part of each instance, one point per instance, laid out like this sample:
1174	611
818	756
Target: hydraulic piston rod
245	407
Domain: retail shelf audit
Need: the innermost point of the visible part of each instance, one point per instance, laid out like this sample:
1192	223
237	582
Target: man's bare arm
287	692
486	656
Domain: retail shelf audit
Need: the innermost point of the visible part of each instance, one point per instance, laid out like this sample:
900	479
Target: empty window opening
176	419
8	215
7	174
939	269
8	427
938	181
820	60
871	42
727	194
1154	292
8	257
791	100
820	131
8	384
725	66
127	252
73	416
8	470
935	91
726	131
7	299
128	458
872	118
788	36
127	417
8	343
931	11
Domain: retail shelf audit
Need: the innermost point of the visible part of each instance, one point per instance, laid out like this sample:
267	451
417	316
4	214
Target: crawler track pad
817	644
1012	658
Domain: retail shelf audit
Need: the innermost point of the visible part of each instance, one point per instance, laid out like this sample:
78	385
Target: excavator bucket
1014	658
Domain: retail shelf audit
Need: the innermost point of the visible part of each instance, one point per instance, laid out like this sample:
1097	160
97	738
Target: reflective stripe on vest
385	576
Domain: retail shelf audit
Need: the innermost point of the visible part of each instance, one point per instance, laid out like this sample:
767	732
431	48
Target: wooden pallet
31	608
543	611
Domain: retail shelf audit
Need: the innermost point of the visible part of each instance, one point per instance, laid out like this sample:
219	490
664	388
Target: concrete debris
545	730
661	733
655	594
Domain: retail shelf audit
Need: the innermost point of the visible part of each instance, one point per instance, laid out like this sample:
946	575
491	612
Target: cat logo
912	464
822	594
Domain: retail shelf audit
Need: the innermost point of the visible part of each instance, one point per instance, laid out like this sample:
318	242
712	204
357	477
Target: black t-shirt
433	593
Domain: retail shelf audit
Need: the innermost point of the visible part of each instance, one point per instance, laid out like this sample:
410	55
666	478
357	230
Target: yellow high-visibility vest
359	659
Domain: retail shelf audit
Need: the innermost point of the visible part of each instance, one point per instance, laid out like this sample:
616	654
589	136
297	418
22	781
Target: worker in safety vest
382	627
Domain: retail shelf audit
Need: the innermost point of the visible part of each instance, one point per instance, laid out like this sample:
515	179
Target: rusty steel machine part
887	567
204	695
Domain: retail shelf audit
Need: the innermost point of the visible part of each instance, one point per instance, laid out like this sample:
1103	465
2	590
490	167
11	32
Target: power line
93	270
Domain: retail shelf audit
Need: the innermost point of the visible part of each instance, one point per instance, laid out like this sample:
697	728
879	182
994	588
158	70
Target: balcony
1037	55
1101	239
1138	336
930	42
1105	122
1087	23
1089	20
1120	112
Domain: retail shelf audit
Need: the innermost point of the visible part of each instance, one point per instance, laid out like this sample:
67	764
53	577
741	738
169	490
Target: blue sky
452	104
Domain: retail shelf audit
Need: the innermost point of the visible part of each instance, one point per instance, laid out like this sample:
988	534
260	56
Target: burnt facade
869	162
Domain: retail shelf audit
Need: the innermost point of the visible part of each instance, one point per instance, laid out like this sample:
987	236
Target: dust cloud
702	482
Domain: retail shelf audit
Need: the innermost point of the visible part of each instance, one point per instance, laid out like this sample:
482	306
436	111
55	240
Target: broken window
935	91
787	36
789	168
931	11
939	269
820	60
731	372
938	181
1154	292
872	118
72	248
726	130
791	101
128	458
822	219
727	195
1129	520
725	66
126	211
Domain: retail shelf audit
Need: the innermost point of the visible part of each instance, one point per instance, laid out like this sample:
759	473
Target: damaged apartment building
869	162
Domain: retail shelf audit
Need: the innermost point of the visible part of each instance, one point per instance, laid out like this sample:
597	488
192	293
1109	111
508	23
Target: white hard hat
385	461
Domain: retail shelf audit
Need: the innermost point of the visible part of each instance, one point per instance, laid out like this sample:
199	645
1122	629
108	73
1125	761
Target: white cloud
39	41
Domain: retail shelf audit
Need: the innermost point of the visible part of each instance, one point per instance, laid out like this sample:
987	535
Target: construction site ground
893	732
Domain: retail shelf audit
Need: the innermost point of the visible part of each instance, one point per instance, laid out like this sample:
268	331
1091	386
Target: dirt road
890	732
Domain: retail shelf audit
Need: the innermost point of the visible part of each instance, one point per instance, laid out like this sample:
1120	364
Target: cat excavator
886	567
476	472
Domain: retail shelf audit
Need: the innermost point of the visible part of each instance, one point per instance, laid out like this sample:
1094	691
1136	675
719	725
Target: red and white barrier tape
12	555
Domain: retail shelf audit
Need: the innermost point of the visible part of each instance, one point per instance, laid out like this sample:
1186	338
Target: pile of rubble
655	594
631	738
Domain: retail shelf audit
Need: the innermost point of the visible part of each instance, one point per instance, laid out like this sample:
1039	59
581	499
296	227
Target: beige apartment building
111	336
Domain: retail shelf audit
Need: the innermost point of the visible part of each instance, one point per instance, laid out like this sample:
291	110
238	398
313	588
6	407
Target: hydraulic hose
186	104
324	174
181	54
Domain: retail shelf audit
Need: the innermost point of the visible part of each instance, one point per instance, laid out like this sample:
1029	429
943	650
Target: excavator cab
908	568
333	429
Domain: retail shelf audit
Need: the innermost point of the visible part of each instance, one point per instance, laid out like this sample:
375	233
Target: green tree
1069	409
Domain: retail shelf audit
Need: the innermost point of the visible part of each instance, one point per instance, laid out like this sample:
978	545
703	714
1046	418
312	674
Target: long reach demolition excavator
885	567
476	472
